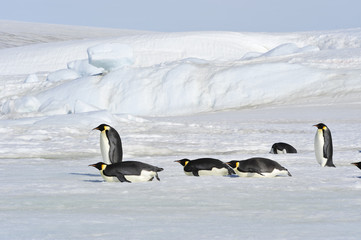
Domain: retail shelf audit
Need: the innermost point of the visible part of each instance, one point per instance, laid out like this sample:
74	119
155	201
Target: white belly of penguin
274	173
144	176
213	172
281	151
109	179
104	147
319	142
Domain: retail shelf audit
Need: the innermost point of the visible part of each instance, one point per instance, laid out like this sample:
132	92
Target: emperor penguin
281	147
110	144
323	145
258	167
205	167
127	171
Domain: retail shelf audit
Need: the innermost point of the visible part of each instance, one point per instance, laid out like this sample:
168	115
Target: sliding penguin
205	167
110	144
128	171
258	167
282	147
323	145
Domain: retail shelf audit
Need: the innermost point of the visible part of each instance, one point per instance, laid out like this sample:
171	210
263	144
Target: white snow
225	95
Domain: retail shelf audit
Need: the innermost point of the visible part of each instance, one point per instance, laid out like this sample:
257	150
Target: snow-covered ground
174	95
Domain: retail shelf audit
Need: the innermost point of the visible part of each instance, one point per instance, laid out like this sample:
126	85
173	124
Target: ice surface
200	94
84	68
110	56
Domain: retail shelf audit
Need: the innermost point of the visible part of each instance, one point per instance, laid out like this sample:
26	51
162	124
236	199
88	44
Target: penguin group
114	169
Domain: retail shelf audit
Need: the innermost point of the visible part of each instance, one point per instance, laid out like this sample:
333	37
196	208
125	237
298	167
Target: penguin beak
178	161
95	129
91	165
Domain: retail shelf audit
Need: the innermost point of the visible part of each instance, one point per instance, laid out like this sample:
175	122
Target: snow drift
176	74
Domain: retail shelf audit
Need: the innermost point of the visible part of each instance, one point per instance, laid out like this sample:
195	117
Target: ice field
226	95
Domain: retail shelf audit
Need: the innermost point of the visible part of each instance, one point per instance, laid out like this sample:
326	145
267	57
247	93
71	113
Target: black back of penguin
328	147
263	164
115	146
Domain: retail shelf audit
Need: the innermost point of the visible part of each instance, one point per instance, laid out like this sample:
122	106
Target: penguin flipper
121	177
115	149
254	170
230	170
195	173
157	177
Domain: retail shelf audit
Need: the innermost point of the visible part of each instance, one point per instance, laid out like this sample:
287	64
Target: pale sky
190	15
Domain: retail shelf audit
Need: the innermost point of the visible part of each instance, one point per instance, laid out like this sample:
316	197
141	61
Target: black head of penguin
101	127
99	165
321	126
183	162
233	164
357	164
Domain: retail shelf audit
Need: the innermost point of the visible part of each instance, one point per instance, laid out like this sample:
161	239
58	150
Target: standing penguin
323	145
110	144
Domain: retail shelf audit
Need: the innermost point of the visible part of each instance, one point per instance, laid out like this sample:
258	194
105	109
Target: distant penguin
205	167
110	144
323	146
357	164
128	171
281	147
258	167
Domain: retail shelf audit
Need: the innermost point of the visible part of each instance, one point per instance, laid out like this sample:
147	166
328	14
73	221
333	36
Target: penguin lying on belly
205	167
281	147
258	167
129	171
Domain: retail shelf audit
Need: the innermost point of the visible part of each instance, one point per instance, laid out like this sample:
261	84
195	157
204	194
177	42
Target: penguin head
102	127
100	165
183	162
321	126
233	164
357	164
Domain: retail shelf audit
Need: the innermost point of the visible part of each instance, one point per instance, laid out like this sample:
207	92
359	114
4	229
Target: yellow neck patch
106	128
104	166
185	163
237	164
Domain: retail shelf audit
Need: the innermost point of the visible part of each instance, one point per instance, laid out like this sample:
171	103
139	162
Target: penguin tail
159	169
289	174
